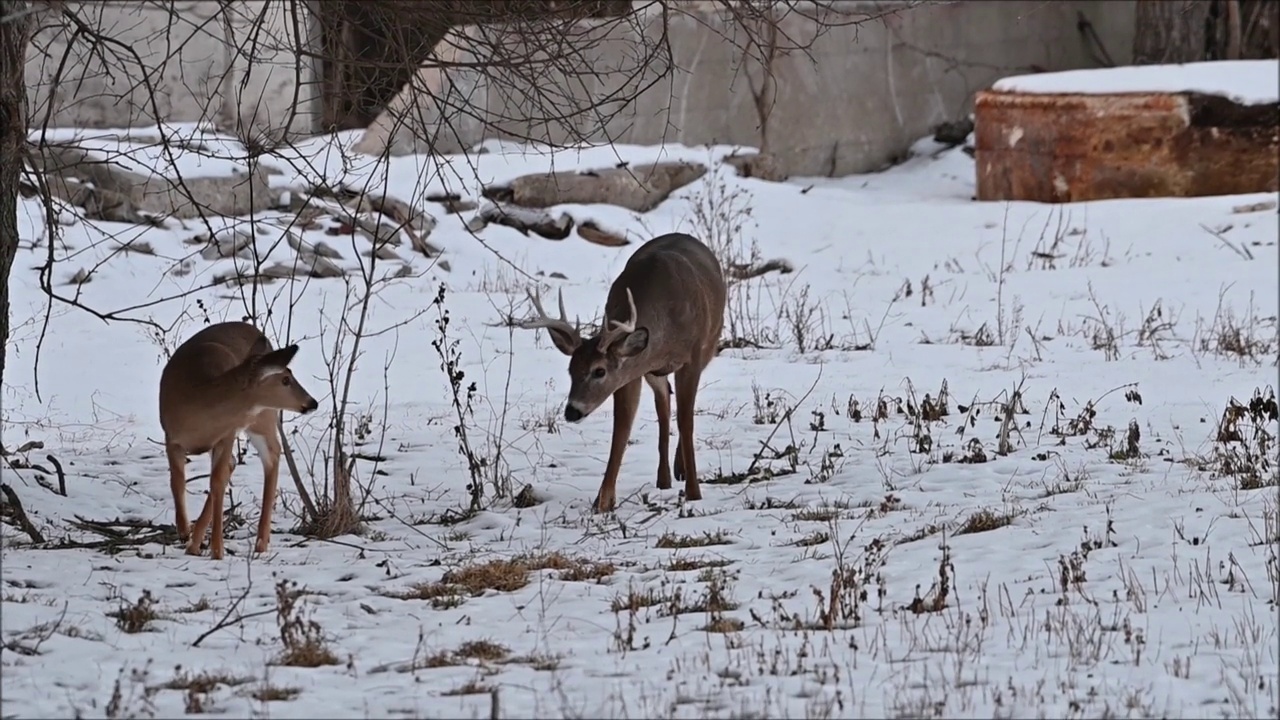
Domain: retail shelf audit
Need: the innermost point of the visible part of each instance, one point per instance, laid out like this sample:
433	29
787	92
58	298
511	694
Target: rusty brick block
1069	148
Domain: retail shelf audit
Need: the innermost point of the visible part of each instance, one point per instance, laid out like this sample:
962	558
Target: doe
224	379
667	306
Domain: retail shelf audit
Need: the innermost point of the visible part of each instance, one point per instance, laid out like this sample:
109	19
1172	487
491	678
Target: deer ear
635	342
566	343
275	361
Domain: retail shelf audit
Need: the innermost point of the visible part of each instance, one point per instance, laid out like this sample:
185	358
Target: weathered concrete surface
1069	148
110	192
854	100
200	63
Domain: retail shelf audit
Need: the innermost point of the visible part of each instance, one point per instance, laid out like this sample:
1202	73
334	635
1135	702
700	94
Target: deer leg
266	441
662	402
178	484
219	476
687	379
626	400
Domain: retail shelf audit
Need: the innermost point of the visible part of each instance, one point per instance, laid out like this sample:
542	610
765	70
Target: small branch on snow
13	508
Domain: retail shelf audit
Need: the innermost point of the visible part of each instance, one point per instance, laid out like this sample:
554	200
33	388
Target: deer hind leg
687	379
266	441
220	463
626	400
178	484
662	402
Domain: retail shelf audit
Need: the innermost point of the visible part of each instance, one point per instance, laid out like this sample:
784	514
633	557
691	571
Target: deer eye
598	373
286	381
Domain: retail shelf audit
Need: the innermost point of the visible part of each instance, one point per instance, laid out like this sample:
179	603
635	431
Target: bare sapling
663	315
222	380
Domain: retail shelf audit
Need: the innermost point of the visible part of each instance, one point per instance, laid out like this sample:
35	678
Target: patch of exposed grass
543	663
204	682
922	533
724	625
198	606
820	513
682	564
303	639
984	520
269	693
137	616
502	575
485	650
670	540
814	538
634	600
473	687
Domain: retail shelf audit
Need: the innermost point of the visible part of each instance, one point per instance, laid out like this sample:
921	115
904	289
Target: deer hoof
664	481
261	545
597	507
193	547
692	493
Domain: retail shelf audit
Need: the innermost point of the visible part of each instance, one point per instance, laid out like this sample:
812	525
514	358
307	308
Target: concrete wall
857	94
858	97
203	63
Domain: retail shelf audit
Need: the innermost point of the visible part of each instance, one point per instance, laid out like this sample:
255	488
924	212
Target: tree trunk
14	33
1170	31
1178	31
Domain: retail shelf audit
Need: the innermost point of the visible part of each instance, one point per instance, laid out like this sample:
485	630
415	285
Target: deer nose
310	406
572	414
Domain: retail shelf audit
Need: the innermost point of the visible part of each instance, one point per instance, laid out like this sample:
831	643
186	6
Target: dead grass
724	625
473	687
484	650
670	540
198	606
635	600
204	682
922	533
303	639
814	538
269	693
682	564
540	662
137	616
502	575
985	520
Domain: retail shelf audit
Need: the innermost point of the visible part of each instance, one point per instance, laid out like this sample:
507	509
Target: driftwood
762	166
636	187
738	272
525	219
12	508
590	231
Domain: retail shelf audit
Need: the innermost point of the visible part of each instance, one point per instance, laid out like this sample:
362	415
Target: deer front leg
626	400
686	393
262	434
662	402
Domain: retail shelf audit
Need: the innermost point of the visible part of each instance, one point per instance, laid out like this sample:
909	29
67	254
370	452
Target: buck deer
224	379
667	309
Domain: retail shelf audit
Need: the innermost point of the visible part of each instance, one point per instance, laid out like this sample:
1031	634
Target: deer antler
542	320
618	328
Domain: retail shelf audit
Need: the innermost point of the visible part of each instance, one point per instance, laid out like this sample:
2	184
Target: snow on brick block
1148	131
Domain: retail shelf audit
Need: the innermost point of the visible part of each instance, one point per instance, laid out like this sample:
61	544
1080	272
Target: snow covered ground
969	460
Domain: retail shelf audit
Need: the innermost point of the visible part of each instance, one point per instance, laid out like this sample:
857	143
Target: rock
453	204
759	166
639	188
110	192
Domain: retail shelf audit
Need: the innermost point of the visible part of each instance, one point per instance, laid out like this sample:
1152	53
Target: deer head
598	365
271	384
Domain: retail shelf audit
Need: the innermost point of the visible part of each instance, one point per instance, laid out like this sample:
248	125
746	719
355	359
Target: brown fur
224	379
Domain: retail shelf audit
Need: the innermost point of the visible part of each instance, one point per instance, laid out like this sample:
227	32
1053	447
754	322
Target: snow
1247	82
1171	569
